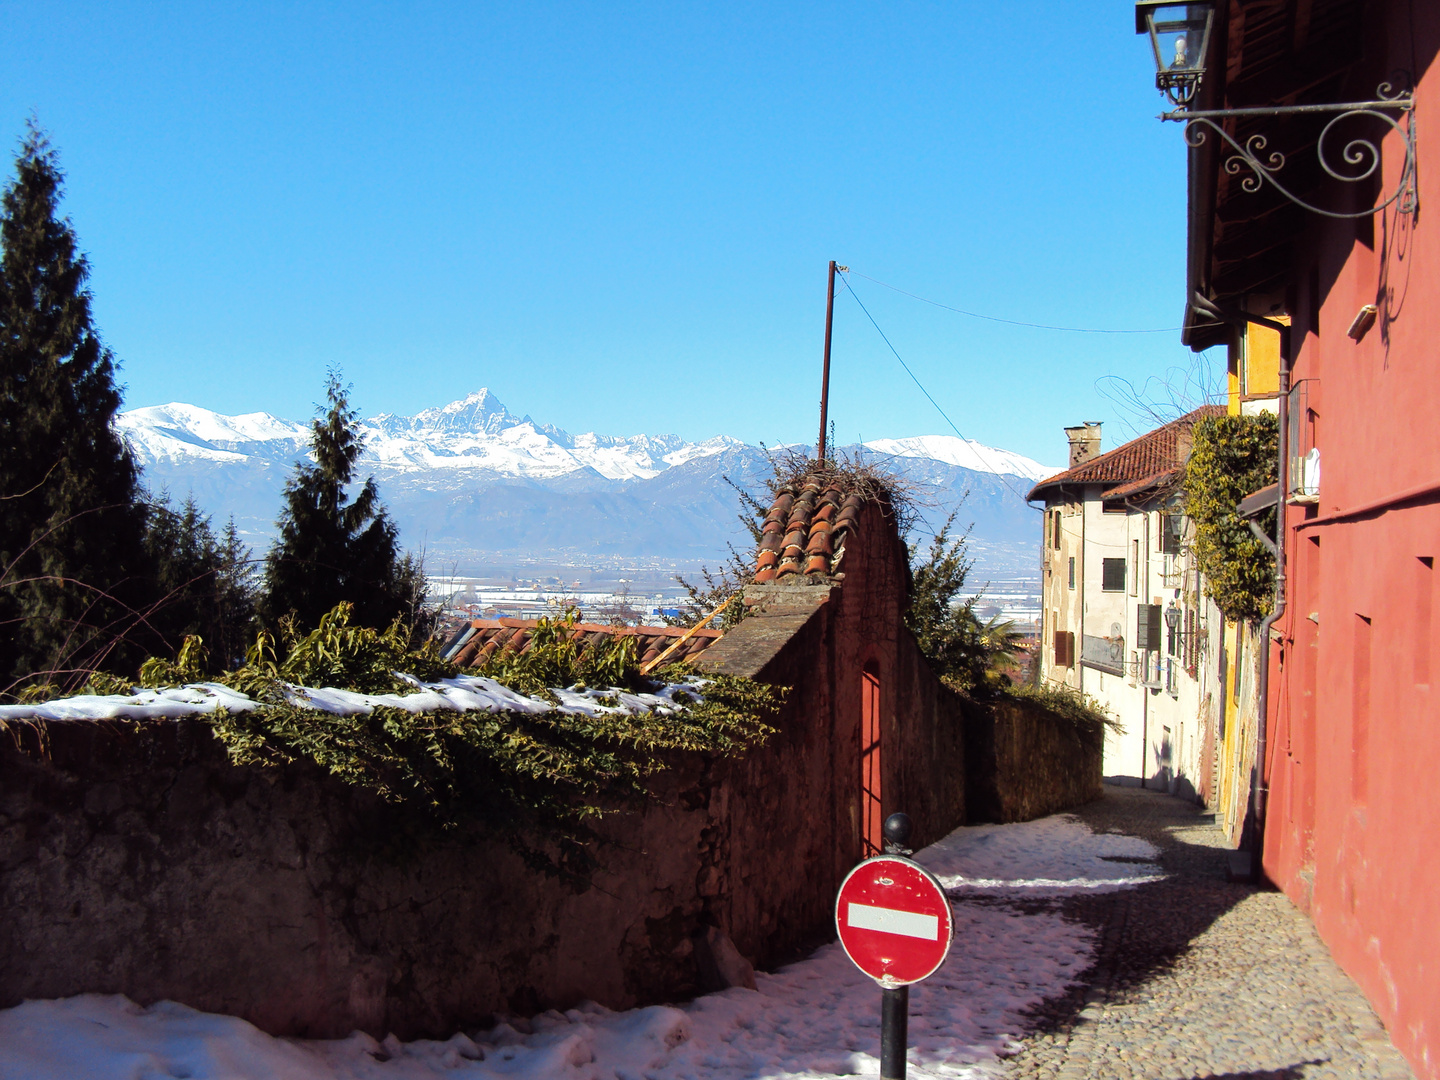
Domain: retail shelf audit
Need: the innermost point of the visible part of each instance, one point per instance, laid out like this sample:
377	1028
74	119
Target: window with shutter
1072	571
1171	528
1148	621
1112	575
1064	648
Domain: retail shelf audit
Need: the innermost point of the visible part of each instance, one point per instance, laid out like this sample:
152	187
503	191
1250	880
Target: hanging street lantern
1180	37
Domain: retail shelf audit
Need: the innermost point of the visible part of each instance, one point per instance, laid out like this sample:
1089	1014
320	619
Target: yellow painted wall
1232	378
1262	358
1253	364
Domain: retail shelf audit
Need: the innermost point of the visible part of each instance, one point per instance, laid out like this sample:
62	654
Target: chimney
1084	442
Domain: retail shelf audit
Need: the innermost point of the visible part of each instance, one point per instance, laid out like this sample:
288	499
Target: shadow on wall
1023	762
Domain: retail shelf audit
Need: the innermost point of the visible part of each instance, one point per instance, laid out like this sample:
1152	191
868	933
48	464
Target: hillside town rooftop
1150	461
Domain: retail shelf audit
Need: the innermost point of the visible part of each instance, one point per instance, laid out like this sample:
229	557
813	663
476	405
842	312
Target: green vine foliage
1232	457
539	780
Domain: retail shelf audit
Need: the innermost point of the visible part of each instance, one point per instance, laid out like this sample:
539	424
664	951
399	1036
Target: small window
1114	506
1072	571
1064	648
1148	622
1112	575
1055	530
1171	528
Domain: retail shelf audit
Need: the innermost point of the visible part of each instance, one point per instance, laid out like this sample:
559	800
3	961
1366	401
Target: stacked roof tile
805	531
1153	459
486	637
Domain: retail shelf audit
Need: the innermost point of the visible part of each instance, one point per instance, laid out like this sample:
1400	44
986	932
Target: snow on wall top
464	693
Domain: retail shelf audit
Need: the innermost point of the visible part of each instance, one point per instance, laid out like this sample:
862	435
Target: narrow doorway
871	819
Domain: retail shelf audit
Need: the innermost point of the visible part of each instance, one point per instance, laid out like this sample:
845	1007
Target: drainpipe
1259	787
1080	585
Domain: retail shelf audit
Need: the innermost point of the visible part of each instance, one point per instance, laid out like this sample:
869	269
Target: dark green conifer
203	585
71	523
331	549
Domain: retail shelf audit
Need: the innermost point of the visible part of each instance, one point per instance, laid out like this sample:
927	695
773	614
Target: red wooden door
871	819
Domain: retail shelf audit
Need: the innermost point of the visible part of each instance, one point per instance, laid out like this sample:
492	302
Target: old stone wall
136	859
1023	762
817	637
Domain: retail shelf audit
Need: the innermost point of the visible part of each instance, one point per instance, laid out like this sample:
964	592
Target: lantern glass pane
1178	31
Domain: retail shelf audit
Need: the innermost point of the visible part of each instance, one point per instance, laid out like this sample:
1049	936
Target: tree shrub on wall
538	779
1232	457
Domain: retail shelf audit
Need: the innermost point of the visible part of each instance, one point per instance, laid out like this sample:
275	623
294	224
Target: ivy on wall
1232	457
538	779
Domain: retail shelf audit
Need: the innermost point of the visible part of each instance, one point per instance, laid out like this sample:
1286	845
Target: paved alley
1198	977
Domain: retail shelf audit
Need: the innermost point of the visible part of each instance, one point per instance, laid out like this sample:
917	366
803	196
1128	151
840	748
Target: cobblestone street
1199	977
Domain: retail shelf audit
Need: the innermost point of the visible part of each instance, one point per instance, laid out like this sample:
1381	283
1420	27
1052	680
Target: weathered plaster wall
818	638
1023	762
136	859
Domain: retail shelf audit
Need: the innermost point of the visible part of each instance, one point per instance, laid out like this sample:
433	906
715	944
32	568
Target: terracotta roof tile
492	636
817	520
1138	463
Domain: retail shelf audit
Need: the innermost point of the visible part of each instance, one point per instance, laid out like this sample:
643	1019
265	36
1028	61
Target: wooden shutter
1148	623
1064	648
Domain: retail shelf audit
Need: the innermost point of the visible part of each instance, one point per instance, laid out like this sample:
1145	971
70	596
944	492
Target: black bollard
895	1002
897	834
894	1031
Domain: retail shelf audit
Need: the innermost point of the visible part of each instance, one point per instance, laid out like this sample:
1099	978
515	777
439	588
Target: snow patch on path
816	1018
1055	856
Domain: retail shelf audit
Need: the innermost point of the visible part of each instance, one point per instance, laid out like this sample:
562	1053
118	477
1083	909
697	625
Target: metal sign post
894	922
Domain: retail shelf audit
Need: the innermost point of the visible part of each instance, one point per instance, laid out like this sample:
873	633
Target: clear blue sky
617	217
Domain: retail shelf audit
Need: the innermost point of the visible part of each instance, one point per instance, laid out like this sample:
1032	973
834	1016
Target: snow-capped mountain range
473	476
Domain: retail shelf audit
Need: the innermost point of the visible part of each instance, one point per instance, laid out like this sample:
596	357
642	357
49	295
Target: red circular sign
894	920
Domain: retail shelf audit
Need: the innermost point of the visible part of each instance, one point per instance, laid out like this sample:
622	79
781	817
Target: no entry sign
893	920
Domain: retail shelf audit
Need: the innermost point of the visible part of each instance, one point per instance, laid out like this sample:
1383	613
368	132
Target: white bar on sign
890	921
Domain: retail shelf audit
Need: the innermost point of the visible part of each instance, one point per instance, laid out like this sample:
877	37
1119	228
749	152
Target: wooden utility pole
825	375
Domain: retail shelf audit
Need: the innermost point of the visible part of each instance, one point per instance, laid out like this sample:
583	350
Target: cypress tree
331	549
71	523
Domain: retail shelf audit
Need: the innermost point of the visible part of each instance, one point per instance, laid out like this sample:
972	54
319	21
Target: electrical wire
1012	322
845	277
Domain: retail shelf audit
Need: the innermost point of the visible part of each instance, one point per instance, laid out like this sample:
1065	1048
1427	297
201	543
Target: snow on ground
816	1018
1054	856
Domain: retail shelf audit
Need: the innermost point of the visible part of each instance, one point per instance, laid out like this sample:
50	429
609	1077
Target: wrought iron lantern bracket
1361	156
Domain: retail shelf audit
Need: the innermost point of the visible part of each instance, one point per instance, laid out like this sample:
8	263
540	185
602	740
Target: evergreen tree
331	549
71	523
203	584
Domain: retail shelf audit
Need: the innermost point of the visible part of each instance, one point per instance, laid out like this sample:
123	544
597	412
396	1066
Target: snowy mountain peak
480	413
966	453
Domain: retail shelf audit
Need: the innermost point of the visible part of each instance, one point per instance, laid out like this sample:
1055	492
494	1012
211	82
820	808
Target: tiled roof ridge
805	531
1142	458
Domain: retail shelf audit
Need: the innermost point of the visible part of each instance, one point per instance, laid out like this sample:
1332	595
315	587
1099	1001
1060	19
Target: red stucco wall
1353	822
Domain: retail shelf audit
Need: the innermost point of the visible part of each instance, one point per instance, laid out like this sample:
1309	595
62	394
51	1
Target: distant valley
485	492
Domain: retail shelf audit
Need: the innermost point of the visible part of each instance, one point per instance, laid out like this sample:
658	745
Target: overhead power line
845	277
1012	322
